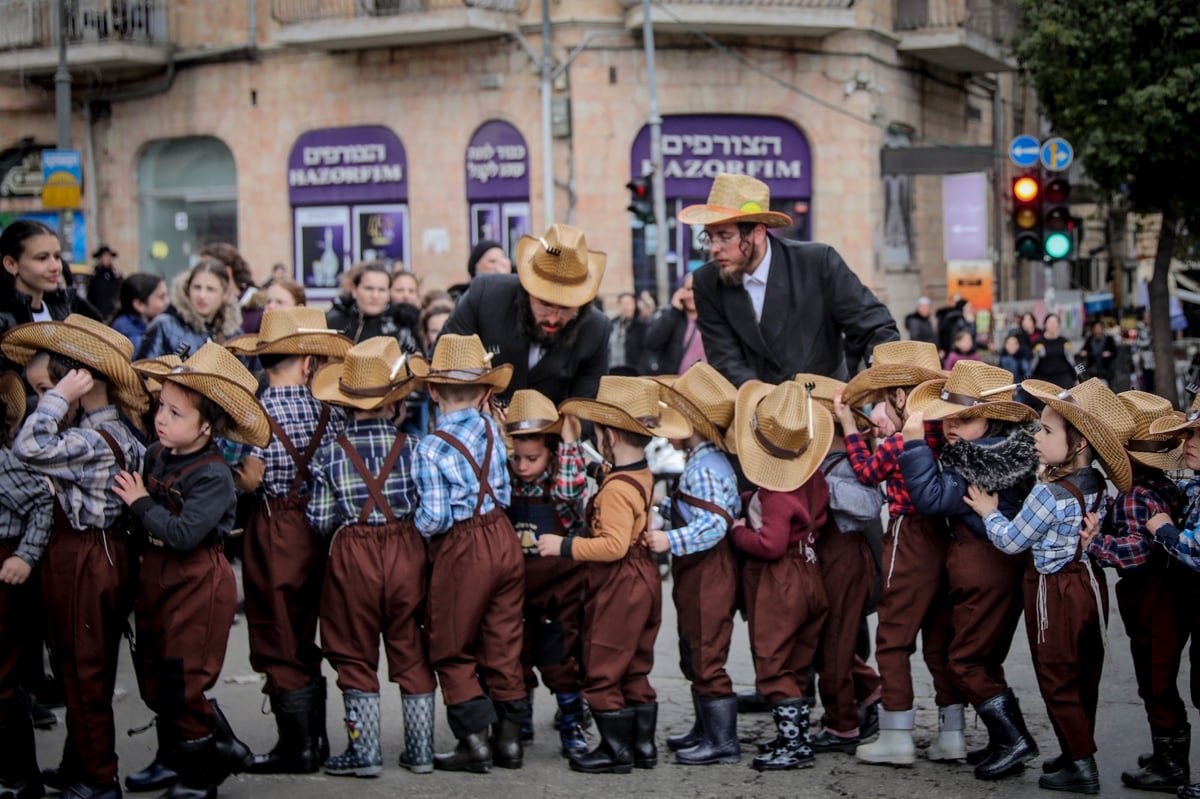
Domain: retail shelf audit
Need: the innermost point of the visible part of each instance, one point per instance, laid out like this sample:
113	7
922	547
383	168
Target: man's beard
537	335
730	277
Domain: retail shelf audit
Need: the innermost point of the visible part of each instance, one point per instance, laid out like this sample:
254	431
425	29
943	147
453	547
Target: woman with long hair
202	309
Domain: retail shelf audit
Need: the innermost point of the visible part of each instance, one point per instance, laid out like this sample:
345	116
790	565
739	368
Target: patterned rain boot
418	733
570	724
793	750
362	757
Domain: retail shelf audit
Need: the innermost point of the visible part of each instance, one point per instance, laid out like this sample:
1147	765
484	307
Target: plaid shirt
567	490
26	507
78	460
701	480
871	470
338	491
1049	522
447	483
1182	543
1125	543
295	410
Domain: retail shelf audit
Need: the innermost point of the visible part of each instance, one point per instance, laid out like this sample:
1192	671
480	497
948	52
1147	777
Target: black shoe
693	736
507	749
1010	744
825	741
753	702
645	753
1189	791
471	754
297	749
1079	776
83	791
977	756
201	765
868	720
614	753
1168	768
160	773
230	755
58	778
19	776
719	741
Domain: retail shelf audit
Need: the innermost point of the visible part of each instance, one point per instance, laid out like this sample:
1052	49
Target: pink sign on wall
965	216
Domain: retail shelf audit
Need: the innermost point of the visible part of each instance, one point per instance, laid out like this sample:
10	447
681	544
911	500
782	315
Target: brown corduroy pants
705	596
847	570
553	612
786	606
1175	618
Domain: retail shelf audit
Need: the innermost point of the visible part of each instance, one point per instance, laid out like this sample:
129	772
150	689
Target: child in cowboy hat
364	496
548	481
623	609
989	443
26	514
79	437
185	501
282	560
849	687
781	437
474	638
1066	601
1157	633
913	598
703	506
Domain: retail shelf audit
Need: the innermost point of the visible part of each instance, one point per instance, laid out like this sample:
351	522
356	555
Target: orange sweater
617	520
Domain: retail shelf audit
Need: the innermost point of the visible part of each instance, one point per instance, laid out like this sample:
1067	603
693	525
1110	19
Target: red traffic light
1026	189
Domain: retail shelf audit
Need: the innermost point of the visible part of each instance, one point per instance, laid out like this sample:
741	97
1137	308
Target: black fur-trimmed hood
995	464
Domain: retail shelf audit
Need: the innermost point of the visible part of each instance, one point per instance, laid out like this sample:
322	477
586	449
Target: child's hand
129	487
75	384
842	412
14	571
658	542
550	545
914	427
1091	526
571	429
981	501
1158	520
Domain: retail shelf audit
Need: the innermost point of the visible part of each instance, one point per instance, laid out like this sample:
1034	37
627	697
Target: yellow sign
62	179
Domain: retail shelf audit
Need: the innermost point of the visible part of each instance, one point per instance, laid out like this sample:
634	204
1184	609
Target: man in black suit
541	320
770	308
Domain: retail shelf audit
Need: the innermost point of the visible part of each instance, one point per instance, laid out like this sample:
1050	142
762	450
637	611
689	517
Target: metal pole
62	114
999	289
661	277
547	141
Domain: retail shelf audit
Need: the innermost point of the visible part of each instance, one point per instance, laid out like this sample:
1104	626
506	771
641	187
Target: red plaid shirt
1124	542
884	465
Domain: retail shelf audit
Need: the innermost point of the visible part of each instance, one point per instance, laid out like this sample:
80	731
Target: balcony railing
994	19
288	12
766	5
807	18
30	23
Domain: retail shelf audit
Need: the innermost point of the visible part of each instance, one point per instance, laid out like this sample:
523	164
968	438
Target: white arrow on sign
960	229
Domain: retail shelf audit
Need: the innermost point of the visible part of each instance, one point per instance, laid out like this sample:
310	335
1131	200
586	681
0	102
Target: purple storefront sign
497	163
697	147
965	216
333	166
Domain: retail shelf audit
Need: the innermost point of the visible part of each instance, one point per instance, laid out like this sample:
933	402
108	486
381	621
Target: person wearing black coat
919	325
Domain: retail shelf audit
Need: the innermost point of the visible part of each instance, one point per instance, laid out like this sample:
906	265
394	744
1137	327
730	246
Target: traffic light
641	199
1027	217
1058	227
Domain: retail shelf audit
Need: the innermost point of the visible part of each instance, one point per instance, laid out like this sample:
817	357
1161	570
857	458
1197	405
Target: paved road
1122	733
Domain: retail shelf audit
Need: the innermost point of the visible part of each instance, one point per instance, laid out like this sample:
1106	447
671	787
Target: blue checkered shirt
1181	543
339	493
704	478
1049	522
447	483
295	410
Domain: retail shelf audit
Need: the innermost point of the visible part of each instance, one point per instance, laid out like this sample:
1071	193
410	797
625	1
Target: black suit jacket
490	308
817	315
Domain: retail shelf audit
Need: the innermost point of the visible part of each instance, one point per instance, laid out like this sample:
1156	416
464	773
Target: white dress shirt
756	283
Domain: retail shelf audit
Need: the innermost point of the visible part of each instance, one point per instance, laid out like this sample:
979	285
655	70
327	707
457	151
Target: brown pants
1141	595
553	606
18	627
1175	620
1069	659
705	597
786	605
184	610
475	610
913	600
281	575
375	585
88	591
985	608
847	569
621	617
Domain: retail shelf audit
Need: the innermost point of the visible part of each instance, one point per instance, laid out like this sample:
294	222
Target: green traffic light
1058	245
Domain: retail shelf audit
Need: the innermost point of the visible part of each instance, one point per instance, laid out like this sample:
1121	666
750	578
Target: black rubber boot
199	766
159	774
719	743
1010	744
695	735
320	731
645	753
296	750
19	774
1169	768
1079	776
507	748
471	754
230	755
753	702
614	753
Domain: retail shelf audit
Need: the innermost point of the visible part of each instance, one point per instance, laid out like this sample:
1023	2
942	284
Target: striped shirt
567	489
338	491
295	410
26	507
447	483
708	476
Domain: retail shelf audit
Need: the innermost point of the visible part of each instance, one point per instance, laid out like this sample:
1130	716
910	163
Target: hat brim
497	377
575	296
552	429
700	423
324	345
1173	424
12	394
326	386
705	214
761	467
249	424
1169	461
864	386
927	398
671	423
1102	438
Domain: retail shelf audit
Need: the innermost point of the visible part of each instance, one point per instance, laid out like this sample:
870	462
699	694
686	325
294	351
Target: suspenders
633	481
374	483
302	459
485	488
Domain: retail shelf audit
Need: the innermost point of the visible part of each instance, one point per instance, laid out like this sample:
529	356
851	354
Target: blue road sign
1057	154
1024	150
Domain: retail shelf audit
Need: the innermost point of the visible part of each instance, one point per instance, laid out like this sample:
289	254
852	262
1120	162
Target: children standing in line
548	481
781	437
364	496
623	609
26	514
185	501
76	436
475	637
1065	597
283	561
703	569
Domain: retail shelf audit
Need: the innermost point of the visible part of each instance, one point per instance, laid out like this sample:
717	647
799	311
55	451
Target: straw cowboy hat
894	364
974	390
462	360
705	398
1097	413
375	372
782	434
292	331
89	344
152	370
1156	450
824	388
735	198
632	404
12	397
558	268
531	413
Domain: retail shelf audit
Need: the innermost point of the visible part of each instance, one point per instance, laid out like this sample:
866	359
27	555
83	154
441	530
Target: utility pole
62	113
661	277
547	141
